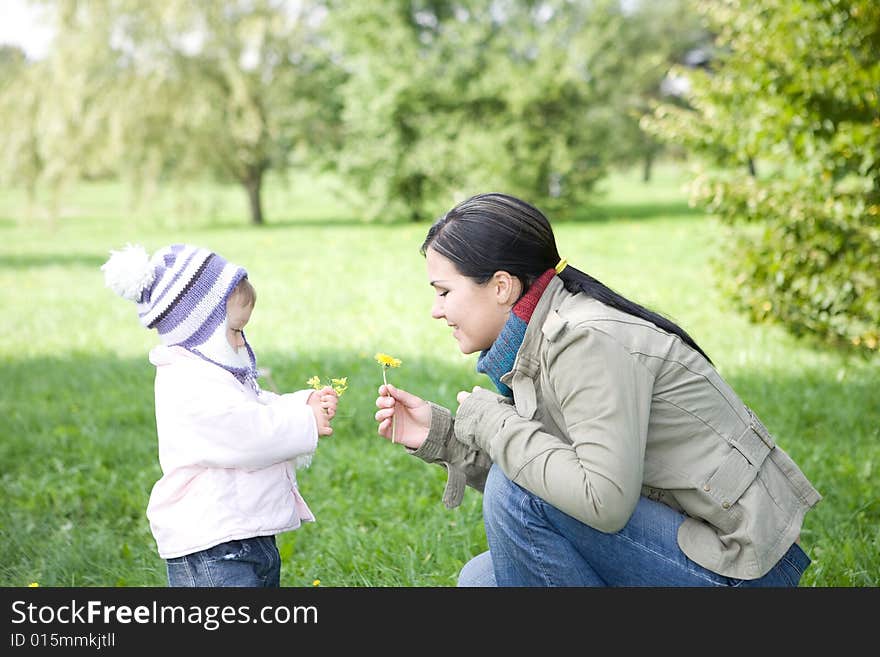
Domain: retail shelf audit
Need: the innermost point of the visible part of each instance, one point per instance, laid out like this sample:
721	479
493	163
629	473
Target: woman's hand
411	415
464	394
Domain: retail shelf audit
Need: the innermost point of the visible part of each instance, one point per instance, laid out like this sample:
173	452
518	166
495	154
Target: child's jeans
250	562
531	543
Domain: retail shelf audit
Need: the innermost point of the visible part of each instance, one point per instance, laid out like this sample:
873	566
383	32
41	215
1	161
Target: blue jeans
250	562
532	543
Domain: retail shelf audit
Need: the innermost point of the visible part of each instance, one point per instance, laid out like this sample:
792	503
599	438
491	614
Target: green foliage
415	104
78	455
795	89
446	99
648	41
20	162
173	89
816	267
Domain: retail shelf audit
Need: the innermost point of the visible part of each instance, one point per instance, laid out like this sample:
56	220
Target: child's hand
329	400
323	403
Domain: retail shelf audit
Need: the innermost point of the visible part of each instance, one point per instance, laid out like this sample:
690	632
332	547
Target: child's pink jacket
225	451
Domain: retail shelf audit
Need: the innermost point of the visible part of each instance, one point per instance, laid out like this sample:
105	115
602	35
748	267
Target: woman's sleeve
605	397
464	466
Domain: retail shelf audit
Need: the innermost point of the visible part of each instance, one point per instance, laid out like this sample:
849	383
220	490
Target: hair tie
562	264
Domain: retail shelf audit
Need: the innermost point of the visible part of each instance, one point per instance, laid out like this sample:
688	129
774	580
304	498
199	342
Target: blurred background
717	160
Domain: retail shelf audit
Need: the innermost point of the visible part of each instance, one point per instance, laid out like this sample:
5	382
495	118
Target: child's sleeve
300	396
209	422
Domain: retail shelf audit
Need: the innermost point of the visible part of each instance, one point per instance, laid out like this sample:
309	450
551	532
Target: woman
613	453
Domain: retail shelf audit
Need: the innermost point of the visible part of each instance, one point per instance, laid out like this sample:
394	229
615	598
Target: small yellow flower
339	385
387	361
33	584
317	582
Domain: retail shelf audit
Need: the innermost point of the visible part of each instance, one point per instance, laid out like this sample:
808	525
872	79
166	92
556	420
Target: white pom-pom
128	272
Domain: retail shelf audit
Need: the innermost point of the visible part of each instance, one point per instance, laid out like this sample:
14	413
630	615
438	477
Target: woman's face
476	313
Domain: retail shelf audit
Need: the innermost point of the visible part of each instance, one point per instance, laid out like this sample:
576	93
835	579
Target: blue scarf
498	360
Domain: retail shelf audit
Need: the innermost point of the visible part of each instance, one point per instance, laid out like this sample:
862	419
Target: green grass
77	433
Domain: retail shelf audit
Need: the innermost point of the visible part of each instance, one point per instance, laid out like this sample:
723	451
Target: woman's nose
436	310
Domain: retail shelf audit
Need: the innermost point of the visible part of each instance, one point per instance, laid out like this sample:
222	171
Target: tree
652	38
449	97
20	163
420	112
795	86
50	110
183	88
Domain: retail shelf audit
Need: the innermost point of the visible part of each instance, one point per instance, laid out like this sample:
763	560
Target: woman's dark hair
497	232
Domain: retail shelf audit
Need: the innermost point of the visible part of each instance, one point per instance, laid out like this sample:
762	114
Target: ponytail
577	281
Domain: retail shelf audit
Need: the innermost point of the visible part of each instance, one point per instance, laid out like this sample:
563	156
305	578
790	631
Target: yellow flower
339	385
33	584
317	582
387	361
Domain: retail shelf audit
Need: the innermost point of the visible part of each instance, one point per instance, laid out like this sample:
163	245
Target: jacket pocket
739	468
730	480
755	443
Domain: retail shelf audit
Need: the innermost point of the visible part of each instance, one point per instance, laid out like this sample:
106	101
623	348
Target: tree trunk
753	170
646	169
254	185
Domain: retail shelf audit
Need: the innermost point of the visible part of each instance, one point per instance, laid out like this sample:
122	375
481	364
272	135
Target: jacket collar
543	318
498	359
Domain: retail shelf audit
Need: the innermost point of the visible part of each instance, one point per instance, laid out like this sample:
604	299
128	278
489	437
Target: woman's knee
497	498
478	572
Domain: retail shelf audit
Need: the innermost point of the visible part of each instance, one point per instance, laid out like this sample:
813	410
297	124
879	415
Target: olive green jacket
609	407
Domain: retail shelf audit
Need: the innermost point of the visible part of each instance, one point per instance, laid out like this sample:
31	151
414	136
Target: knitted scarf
497	360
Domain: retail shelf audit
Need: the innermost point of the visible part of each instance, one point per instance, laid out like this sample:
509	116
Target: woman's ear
507	288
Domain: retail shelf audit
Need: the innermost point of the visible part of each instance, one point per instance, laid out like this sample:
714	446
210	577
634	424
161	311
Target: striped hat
181	291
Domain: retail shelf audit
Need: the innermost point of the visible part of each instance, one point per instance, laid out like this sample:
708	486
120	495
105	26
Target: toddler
227	449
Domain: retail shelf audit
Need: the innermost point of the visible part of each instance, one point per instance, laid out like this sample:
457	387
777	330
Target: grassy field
77	433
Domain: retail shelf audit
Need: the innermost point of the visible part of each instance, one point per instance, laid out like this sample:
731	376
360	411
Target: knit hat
181	292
